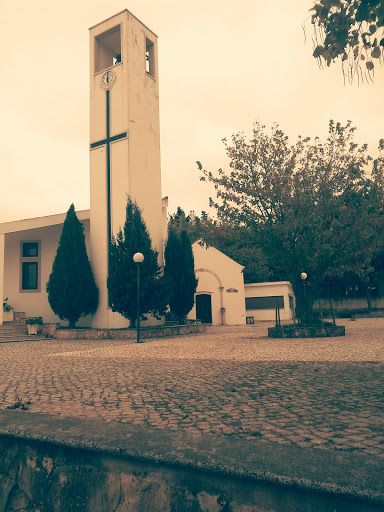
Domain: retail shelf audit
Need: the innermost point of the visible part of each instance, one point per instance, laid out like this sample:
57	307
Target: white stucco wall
2	247
34	303
222	278
280	288
135	159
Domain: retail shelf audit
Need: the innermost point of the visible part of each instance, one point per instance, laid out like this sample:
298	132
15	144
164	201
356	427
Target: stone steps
11	332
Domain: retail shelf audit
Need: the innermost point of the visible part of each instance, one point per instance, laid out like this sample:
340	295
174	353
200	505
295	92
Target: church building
124	159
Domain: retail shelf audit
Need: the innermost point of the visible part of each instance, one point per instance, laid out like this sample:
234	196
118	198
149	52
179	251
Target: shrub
6	306
34	321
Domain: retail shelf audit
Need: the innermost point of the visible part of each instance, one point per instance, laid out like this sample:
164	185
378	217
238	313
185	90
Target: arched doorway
204	308
221	290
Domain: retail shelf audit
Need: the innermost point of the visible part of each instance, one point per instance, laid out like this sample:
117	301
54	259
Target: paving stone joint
325	393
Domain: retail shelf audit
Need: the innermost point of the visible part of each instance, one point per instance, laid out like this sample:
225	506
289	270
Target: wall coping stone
341	474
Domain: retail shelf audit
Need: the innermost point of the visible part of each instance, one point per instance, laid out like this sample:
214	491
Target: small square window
30	250
250	319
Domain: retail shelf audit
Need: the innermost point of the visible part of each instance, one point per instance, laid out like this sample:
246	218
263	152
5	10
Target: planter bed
294	331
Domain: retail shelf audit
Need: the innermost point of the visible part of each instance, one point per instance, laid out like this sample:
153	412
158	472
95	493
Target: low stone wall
127	334
52	464
293	331
49	329
37	476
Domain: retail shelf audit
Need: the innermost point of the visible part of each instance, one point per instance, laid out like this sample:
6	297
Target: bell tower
124	141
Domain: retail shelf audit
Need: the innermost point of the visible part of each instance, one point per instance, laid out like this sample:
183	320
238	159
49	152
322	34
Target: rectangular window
264	302
30	266
30	275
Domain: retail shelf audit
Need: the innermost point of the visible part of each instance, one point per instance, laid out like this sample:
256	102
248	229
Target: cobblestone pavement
233	381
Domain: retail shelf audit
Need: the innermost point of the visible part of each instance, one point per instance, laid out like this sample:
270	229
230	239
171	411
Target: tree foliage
71	288
352	30
312	205
237	242
122	280
179	271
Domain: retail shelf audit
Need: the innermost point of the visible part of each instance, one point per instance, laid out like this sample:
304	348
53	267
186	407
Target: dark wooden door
204	308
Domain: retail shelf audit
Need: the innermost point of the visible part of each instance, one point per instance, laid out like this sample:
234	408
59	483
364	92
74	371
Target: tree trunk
132	323
321	314
330	302
369	302
304	304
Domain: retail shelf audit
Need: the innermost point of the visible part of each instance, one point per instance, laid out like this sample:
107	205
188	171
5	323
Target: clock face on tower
107	79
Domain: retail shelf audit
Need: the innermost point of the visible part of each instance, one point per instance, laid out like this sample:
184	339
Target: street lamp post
303	276
138	258
304	318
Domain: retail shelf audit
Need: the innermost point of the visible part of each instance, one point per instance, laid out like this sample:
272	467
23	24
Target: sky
222	66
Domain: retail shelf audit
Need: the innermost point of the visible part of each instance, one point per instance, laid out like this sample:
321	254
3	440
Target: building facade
124	160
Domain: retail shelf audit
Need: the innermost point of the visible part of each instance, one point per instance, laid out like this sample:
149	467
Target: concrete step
13	332
6	330
11	327
9	334
23	340
21	328
26	337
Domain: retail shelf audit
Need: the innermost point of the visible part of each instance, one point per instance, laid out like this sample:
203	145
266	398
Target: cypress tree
71	288
122	280
180	273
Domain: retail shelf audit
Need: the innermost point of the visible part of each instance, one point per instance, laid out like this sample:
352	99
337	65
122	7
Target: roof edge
39	222
268	283
118	14
208	247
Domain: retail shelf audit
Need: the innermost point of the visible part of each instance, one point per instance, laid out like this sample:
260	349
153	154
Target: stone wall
50	464
37	476
42	477
124	334
293	331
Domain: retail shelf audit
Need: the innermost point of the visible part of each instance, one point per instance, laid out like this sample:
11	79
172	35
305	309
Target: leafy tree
350	29
179	271
122	280
312	205
71	288
237	242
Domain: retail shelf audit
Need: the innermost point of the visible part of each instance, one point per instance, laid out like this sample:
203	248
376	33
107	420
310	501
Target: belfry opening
108	49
